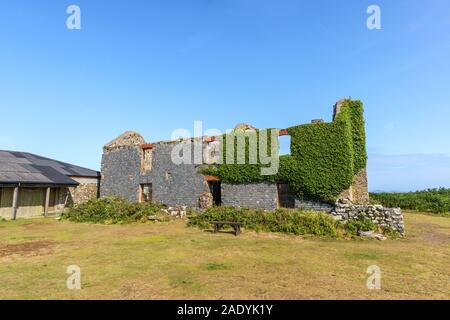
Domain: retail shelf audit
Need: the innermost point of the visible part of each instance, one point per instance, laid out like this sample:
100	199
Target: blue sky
156	66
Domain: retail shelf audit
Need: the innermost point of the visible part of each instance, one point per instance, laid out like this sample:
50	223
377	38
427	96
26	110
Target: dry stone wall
391	218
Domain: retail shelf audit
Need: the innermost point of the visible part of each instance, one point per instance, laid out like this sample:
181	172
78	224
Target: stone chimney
337	107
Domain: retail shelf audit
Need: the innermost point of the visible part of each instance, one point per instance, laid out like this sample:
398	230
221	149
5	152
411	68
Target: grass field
171	261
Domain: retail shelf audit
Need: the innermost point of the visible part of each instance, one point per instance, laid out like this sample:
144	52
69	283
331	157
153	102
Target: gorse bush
113	211
324	157
295	222
431	200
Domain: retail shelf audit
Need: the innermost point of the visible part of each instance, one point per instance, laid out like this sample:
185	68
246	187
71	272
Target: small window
147	158
146	193
168	176
285	145
212	152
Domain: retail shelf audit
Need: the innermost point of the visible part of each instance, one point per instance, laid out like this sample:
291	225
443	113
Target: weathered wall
391	218
252	195
87	189
121	173
313	205
358	192
31	202
360	188
174	185
6	200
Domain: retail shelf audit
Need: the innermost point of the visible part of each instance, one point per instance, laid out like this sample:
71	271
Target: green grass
431	200
213	266
170	261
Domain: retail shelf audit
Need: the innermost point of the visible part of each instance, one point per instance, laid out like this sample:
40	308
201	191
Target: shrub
113	211
431	200
285	221
361	224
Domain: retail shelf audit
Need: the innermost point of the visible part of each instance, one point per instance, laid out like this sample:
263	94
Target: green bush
361	224
285	221
113	211
431	200
324	157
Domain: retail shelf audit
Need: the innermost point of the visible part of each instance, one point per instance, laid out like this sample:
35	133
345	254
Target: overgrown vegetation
324	157
118	211
285	221
431	200
246	167
114	211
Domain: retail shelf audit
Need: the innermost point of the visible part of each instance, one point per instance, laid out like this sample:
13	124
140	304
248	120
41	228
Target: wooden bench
219	224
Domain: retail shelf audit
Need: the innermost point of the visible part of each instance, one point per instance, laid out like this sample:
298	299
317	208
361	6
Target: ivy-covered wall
325	157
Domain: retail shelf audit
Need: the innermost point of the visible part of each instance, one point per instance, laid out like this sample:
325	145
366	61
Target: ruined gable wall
121	173
174	185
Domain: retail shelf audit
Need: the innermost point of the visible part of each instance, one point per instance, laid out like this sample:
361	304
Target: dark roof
27	168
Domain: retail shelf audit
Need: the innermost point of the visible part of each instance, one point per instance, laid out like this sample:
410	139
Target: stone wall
121	172
172	184
252	195
358	192
313	205
391	218
87	189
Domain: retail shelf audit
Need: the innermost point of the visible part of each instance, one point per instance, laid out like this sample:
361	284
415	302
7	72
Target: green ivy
324	157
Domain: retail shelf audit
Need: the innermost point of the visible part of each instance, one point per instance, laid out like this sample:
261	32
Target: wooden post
47	201
15	202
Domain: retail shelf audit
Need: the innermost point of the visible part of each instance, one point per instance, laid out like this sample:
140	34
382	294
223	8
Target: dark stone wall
174	184
121	173
252	195
181	185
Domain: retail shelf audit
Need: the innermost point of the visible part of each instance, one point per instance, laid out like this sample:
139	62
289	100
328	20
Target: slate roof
27	168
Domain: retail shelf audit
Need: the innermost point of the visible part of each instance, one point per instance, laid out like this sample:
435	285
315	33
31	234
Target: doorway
215	188
146	193
286	198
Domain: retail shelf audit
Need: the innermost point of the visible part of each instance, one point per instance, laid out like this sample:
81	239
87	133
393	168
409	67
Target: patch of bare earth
29	249
431	235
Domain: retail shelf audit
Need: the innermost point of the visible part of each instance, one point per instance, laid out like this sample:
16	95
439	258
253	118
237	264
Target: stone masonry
390	218
131	167
252	195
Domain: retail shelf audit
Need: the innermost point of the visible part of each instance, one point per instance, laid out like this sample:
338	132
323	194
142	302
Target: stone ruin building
139	171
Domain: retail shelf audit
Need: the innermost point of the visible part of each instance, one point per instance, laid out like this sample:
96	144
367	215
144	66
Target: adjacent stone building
33	186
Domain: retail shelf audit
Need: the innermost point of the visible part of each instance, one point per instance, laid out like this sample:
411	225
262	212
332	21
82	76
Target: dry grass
170	261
